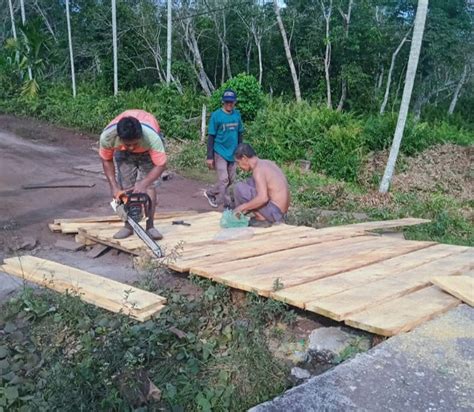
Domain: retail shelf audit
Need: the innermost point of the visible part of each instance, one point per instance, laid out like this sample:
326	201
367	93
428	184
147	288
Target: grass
58	353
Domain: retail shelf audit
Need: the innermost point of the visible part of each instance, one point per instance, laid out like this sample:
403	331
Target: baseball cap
229	96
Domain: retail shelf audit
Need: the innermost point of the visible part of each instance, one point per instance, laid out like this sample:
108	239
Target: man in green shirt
225	134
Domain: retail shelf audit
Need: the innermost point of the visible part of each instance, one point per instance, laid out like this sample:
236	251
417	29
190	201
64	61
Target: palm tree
418	31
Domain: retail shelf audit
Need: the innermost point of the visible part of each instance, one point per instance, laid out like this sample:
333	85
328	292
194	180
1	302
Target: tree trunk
327	55
203	123
390	72
415	48
114	46
191	42
347	21
168	42
260	63
288	51
71	54
226	47
23	21
46	21
457	92
12	19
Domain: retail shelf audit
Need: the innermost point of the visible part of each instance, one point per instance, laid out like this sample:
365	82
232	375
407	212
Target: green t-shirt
226	128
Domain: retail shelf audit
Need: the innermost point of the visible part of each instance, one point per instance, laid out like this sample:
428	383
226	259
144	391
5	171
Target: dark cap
229	96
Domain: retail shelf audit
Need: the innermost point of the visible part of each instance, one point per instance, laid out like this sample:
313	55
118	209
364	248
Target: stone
299	373
67	244
399	374
327	343
25	243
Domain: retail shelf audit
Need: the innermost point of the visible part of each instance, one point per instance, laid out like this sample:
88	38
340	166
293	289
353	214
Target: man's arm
262	195
241	131
210	151
154	174
109	170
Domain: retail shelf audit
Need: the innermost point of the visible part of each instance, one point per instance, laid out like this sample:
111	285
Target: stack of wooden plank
102	292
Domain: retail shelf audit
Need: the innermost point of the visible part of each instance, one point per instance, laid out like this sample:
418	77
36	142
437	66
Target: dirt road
33	152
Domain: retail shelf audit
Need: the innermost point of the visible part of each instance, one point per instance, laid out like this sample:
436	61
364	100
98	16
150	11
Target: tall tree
327	11
169	32
23	21
114	45
457	92
12	18
390	72
346	17
289	57
71	54
417	38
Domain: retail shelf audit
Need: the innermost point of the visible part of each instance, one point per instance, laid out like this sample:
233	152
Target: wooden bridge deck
371	282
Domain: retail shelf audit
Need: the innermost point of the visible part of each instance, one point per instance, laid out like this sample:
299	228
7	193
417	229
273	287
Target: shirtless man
265	194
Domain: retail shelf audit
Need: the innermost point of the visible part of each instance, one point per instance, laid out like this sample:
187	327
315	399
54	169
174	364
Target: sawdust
446	169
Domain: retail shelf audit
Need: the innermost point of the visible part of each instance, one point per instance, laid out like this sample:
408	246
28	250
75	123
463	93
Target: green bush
91	110
378	134
331	140
249	94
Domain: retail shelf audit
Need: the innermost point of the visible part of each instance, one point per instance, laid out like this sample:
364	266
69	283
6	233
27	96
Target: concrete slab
428	369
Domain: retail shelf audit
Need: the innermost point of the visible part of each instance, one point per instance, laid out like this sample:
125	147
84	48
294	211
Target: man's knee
241	192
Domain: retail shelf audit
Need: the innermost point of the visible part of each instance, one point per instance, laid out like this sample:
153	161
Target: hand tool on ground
131	207
180	222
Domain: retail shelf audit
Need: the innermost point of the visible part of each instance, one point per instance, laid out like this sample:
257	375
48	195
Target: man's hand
210	164
115	190
239	210
140	187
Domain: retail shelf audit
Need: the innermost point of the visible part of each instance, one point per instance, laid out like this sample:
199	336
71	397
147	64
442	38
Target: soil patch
443	168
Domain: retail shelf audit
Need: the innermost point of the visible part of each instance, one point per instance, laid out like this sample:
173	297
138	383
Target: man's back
277	184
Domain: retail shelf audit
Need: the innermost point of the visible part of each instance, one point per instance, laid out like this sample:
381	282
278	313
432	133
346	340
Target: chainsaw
131	207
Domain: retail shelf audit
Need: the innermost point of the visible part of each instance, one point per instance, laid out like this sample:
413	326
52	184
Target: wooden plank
281	260
81	239
61	277
97	251
112	243
462	287
71	226
342	305
115	218
309	265
257	246
54	227
405	313
386	224
312	291
91	298
67	244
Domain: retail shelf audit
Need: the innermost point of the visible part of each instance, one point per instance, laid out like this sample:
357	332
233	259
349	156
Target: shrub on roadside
249	94
331	140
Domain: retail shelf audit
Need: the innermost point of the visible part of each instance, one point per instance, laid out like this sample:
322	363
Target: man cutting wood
132	140
265	194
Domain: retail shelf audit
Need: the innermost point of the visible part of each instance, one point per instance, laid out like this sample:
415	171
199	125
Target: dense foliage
242	37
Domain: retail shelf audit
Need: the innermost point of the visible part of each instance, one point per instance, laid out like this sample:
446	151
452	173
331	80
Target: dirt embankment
447	168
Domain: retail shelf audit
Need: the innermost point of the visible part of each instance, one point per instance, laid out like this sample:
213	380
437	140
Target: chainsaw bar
139	231
143	235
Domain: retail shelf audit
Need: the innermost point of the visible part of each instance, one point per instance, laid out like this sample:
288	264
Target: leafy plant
249	95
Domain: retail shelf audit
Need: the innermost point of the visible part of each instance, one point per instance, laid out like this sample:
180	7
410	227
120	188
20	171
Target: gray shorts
132	167
246	191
